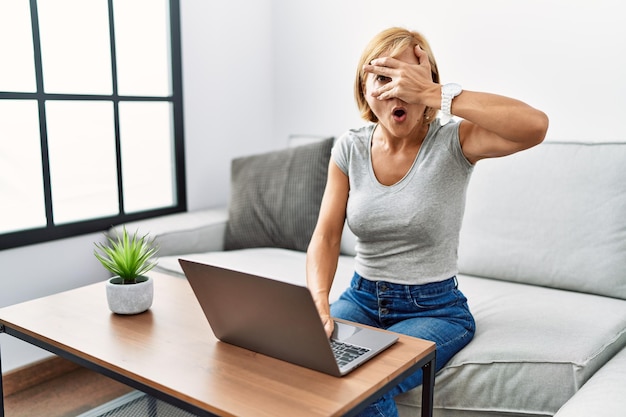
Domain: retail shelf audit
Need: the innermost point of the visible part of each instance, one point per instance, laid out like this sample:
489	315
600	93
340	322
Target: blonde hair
392	42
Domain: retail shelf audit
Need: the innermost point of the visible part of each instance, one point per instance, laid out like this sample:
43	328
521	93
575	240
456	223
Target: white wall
565	57
256	71
227	78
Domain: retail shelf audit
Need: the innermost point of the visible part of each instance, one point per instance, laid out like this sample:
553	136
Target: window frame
53	231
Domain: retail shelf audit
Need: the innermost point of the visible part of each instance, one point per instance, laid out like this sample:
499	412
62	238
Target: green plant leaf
128	256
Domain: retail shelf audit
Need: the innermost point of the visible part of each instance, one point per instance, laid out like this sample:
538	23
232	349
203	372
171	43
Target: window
91	125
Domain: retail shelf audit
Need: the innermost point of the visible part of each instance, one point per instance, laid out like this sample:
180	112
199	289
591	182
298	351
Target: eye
382	79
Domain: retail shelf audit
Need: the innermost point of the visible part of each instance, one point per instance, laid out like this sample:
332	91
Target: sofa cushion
552	215
275	197
603	395
534	348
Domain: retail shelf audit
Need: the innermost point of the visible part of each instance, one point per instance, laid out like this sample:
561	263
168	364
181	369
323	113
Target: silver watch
448	92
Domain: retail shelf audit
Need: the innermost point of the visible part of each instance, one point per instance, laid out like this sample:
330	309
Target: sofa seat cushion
603	395
534	348
276	263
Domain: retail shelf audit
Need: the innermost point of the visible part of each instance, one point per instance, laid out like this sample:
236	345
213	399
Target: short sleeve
341	152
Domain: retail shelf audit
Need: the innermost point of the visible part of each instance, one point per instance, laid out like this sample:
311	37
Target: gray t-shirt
407	233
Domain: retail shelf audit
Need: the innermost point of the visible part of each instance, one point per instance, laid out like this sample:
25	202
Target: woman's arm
496	126
493	125
323	251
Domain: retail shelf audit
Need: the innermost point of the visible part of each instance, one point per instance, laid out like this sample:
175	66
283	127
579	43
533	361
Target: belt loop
357	280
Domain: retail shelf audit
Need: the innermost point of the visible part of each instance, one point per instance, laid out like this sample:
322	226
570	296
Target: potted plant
129	258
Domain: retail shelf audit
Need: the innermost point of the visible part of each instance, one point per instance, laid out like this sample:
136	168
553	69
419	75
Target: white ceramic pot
130	298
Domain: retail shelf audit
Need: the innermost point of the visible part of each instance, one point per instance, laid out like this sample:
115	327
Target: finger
385	92
378	70
385	61
329	326
422	56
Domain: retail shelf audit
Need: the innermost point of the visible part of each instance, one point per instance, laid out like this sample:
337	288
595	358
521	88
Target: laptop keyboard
345	352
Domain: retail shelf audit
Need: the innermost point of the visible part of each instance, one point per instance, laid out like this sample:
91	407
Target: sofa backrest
554	216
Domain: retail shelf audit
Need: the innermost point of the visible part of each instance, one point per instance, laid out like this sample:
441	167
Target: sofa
542	261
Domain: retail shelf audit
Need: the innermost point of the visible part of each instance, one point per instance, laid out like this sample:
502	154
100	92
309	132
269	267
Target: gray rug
136	404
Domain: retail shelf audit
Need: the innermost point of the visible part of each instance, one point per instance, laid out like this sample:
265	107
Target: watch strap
448	92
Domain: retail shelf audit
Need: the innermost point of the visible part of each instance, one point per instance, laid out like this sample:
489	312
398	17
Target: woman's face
397	117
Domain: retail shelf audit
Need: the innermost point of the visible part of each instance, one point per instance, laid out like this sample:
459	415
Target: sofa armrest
604	394
182	233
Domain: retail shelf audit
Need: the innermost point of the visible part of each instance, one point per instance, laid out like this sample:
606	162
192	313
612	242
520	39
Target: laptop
280	320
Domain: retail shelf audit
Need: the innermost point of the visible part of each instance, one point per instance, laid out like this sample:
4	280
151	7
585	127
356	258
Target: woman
400	182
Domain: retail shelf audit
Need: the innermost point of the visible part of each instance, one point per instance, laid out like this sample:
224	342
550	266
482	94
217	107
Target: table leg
428	388
1	391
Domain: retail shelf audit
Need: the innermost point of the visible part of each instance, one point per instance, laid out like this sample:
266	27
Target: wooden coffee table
171	353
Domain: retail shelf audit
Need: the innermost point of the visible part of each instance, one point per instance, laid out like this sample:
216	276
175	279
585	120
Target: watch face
451	89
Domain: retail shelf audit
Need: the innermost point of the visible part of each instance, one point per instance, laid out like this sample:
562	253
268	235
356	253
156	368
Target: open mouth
399	114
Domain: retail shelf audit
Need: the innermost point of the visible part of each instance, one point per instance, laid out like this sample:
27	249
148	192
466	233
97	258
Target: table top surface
171	348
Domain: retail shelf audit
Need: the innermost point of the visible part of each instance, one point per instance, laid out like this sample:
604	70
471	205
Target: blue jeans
437	312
